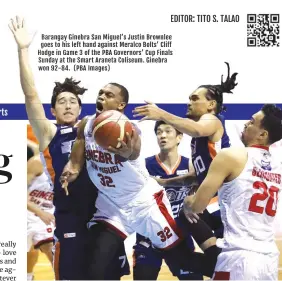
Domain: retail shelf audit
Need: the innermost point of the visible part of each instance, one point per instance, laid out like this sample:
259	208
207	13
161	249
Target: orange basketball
109	126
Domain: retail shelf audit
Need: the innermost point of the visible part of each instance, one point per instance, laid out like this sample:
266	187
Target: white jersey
41	193
119	182
248	204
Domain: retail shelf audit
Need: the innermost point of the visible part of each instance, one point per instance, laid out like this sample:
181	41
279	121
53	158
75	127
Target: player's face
253	132
167	137
109	98
198	104
67	109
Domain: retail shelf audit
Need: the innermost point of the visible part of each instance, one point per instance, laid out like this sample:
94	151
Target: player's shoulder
232	154
34	163
209	116
151	160
184	159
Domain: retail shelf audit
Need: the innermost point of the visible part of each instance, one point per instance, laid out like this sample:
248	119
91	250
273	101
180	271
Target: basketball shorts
246	265
38	233
153	220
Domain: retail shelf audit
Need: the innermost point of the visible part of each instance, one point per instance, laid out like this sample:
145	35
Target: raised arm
43	128
207	126
77	158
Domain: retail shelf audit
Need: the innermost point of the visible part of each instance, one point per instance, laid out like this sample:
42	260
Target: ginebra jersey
41	193
204	151
248	203
122	182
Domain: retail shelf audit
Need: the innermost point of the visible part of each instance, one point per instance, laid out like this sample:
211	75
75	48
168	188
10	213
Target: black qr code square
263	30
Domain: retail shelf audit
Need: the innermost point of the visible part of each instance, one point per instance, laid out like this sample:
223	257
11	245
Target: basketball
109	126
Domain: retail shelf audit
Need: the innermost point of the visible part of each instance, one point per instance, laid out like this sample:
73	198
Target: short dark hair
215	92
69	85
30	153
123	92
272	122
159	123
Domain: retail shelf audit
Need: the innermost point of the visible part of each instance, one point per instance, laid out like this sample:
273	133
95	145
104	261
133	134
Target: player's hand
66	177
47	218
150	111
191	217
22	37
126	148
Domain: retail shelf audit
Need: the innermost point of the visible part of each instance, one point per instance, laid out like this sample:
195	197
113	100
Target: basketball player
128	199
167	164
248	181
40	219
206	127
71	212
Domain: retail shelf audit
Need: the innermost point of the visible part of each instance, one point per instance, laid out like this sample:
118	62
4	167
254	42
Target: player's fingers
188	218
128	139
196	216
112	149
14	24
122	144
148	102
134	135
19	22
33	35
139	108
66	189
11	26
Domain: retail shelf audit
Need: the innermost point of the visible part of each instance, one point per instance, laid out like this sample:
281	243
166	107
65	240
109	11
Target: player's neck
257	144
169	158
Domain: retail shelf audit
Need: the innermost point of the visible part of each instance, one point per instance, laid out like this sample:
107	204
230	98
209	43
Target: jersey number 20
269	194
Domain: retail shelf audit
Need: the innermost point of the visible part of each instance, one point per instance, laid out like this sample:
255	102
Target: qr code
263	30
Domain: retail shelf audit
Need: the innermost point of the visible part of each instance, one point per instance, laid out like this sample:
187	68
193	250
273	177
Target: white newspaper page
172	61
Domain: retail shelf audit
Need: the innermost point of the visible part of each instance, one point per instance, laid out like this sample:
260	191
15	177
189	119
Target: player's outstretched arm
77	158
218	172
205	127
43	128
177	181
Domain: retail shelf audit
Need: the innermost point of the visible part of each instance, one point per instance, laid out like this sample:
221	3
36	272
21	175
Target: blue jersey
82	192
203	152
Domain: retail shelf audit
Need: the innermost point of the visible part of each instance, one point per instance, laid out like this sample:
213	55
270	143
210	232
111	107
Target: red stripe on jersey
159	198
109	225
261	147
221	275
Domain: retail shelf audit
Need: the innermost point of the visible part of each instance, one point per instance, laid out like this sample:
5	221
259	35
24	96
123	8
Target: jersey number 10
199	165
269	194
